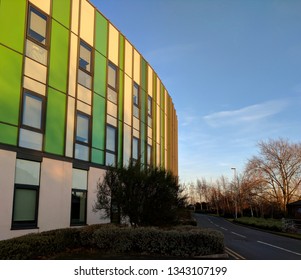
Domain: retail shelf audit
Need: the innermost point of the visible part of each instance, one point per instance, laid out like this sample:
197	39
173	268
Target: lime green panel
61	11
98	156
98	127
120	144
59	48
10	85
100	71
55	122
121	51
8	134
12	23
101	34
143	74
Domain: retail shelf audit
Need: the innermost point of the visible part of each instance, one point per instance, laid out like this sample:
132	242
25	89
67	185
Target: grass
272	225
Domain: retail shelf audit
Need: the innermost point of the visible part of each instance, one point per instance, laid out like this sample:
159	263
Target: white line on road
224	228
279	248
238	234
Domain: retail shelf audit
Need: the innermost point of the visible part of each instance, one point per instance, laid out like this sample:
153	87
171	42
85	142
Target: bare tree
278	166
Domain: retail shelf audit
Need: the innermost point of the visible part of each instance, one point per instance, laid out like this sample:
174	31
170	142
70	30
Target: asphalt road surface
250	244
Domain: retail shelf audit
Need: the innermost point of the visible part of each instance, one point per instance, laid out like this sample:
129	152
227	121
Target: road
250	244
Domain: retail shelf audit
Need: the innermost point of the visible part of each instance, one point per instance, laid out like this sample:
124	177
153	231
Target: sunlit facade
75	98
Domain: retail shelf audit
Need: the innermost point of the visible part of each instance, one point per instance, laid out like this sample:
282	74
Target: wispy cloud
247	114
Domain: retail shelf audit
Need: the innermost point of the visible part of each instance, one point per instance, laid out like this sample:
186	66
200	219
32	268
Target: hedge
184	241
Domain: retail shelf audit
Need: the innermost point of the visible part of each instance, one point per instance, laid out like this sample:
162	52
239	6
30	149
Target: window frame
138	149
136	105
17	186
116	144
43	109
114	88
89	48
79	142
45	17
79	223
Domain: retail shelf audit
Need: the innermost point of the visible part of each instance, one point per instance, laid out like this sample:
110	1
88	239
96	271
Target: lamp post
235	190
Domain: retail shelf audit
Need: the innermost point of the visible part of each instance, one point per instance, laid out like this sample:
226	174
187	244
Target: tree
278	167
146	196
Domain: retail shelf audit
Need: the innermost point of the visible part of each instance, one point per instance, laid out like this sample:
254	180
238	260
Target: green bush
266	224
180	241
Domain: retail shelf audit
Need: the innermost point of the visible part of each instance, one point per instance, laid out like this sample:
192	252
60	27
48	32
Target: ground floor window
79	197
26	194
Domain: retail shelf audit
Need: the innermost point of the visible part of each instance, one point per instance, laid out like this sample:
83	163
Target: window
149	155
82	140
26	194
135	151
85	65
136	100
36	43
37	26
79	197
112	83
150	111
32	121
111	139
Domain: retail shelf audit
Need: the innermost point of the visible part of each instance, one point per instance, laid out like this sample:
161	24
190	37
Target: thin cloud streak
247	114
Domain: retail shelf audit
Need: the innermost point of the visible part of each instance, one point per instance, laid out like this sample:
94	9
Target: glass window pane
112	76
37	26
82	152
111	138
27	172
84	79
30	139
150	121
136	111
149	154
110	159
25	205
78	207
82	128
149	106
36	52
136	95
79	179
135	148
112	95
85	57
32	111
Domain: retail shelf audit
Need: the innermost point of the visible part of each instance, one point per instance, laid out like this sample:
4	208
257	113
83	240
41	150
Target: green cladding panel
55	122
100	71
121	51
8	134
12	14
98	128
59	52
10	85
98	156
143	74
61	11
101	34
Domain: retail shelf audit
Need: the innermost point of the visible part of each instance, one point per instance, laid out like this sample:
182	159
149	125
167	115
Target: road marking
224	228
283	249
233	254
238	234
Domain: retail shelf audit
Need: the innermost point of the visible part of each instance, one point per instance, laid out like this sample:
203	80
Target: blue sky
232	68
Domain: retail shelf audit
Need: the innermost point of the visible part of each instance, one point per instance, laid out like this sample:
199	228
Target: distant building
75	97
294	209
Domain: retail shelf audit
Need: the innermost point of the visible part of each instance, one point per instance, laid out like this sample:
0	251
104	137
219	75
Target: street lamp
235	190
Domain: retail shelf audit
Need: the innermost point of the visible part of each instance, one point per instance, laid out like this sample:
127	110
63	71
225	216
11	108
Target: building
75	97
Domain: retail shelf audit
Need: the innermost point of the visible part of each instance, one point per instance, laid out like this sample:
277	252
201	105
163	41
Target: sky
232	68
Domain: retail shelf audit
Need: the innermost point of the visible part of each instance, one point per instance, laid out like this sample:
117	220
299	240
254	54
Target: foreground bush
185	241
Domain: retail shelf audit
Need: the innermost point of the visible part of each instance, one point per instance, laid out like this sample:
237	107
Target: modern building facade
75	98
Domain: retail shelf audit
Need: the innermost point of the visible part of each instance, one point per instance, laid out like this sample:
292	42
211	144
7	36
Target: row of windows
33	104
26	195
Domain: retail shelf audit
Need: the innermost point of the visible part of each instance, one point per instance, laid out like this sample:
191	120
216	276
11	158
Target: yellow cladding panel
83	107
75	16
87	22
127	100
128	63
70	127
73	65
158	91
150	81
136	133
158	124
43	5
137	67
113	44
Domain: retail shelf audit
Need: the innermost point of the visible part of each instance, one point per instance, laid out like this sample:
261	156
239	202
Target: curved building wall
75	97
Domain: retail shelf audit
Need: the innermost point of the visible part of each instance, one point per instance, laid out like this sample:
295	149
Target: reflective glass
37	26
82	152
27	172
84	79
25	205
112	95
32	111
111	138
36	52
112	76
135	148
30	139
82	128
78	207
110	159
85	53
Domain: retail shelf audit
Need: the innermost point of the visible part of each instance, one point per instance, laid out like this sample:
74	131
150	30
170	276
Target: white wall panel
87	22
